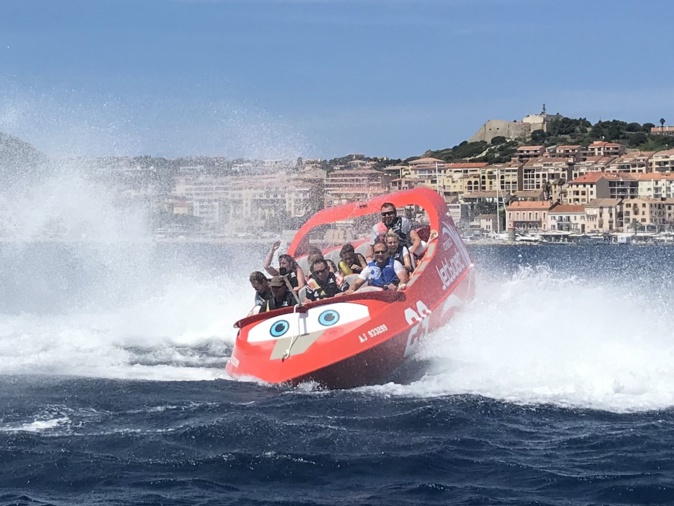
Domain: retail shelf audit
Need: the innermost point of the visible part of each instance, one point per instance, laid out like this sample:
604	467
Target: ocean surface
555	386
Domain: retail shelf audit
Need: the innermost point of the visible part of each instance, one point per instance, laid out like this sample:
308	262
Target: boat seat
362	249
350	278
303	262
302	294
334	256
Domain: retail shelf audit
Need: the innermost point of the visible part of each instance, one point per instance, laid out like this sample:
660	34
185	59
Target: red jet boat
360	338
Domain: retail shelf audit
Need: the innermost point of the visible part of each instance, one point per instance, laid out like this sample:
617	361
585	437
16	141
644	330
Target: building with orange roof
571	152
458	169
567	218
528	215
602	148
601	185
656	185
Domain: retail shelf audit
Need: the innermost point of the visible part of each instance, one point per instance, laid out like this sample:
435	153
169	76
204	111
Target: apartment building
406	183
662	161
234	203
462	177
343	186
635	162
603	215
656	185
601	185
572	153
567	218
602	148
528	215
428	169
591	164
647	213
537	173
505	177
526	153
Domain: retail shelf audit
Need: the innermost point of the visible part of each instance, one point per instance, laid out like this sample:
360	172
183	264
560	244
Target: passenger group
387	265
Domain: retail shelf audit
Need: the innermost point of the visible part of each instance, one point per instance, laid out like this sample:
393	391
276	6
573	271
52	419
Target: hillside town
554	193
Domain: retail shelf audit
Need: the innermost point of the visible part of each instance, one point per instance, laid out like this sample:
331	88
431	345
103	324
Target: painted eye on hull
279	328
328	318
315	322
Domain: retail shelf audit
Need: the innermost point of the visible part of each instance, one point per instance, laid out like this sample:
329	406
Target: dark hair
290	260
314	250
347	248
313	257
319	261
388	204
257	276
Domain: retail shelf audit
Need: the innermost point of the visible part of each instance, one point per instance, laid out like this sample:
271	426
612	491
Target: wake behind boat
363	337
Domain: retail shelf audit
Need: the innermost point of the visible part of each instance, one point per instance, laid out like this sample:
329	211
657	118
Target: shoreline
240	241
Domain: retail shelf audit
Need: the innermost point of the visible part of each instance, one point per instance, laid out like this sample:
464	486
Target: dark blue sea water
555	386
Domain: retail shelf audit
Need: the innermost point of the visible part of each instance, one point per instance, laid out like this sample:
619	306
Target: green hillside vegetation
562	131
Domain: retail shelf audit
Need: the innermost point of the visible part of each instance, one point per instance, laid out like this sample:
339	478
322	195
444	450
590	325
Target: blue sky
320	78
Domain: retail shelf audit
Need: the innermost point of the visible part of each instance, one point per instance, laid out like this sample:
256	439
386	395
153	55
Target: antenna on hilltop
543	111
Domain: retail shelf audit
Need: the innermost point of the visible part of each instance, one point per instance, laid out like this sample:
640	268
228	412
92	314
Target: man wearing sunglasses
391	222
384	271
323	283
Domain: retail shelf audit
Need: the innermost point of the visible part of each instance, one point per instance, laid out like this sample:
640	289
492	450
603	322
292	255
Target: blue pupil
279	328
328	318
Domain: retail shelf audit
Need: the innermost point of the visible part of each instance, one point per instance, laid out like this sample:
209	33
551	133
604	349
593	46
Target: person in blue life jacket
384	271
281	295
323	283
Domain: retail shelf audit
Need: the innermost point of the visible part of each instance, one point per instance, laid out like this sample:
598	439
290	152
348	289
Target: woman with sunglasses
398	251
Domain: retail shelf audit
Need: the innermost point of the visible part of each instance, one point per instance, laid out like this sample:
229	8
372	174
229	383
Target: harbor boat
359	338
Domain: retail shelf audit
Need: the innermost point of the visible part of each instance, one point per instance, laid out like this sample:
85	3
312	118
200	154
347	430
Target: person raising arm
288	267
